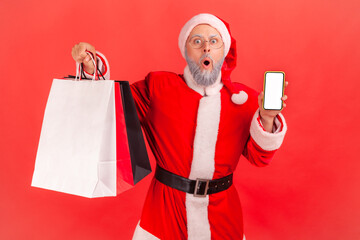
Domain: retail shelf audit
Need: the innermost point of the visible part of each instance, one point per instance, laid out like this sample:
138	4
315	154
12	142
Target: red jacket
198	133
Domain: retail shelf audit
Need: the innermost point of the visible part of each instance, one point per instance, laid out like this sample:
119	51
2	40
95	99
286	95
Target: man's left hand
267	116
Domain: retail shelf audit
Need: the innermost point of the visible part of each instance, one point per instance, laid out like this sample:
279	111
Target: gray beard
204	78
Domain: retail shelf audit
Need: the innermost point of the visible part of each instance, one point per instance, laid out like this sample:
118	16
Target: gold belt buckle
196	194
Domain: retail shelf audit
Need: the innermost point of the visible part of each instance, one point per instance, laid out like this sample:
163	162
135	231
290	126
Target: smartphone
274	82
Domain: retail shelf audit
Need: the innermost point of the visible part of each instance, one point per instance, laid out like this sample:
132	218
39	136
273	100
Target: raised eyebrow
215	35
196	35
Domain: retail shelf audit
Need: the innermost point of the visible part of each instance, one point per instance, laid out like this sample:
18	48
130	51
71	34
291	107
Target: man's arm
262	145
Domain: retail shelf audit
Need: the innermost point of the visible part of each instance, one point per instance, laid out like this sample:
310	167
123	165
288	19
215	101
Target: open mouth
206	63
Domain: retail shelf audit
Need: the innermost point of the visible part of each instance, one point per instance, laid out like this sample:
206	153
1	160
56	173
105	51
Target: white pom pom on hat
239	98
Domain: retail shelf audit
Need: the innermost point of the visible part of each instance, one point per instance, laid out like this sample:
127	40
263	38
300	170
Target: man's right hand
79	54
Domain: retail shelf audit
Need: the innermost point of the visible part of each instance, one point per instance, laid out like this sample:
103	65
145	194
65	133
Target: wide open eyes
199	42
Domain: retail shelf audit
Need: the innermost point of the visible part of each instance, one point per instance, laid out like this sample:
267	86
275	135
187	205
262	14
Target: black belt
203	186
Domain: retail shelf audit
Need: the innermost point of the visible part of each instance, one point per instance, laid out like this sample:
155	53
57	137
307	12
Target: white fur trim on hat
204	18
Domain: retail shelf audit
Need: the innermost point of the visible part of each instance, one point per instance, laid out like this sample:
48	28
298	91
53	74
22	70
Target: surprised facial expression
212	45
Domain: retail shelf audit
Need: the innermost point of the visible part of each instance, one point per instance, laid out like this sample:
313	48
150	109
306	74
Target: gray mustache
206	55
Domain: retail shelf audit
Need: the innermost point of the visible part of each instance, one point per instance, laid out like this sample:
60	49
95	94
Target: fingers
285	96
79	54
88	48
82	55
260	99
86	57
261	95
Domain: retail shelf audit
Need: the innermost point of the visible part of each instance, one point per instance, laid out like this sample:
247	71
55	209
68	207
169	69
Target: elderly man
198	124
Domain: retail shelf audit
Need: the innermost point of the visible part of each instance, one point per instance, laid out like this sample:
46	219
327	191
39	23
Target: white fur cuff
268	141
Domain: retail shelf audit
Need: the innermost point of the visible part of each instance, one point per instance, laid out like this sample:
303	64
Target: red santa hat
229	49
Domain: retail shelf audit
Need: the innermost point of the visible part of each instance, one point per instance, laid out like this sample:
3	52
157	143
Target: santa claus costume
195	133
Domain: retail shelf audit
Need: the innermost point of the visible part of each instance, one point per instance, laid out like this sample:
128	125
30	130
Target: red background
309	191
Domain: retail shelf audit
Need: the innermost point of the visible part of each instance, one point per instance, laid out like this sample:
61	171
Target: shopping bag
91	143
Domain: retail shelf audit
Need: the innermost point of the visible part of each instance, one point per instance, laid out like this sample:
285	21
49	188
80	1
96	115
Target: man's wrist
266	119
267	122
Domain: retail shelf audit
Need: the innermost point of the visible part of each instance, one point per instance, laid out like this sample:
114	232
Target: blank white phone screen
273	90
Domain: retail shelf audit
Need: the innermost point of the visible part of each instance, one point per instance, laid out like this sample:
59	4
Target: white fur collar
204	91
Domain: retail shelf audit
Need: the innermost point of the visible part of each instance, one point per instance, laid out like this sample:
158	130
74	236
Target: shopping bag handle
78	70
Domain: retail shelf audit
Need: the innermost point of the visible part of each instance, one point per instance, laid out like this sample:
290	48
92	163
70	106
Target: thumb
87	58
90	54
260	99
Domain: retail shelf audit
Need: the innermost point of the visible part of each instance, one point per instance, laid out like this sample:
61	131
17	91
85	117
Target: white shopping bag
77	147
91	143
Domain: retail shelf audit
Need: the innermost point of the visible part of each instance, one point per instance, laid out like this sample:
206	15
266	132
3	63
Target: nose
206	47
